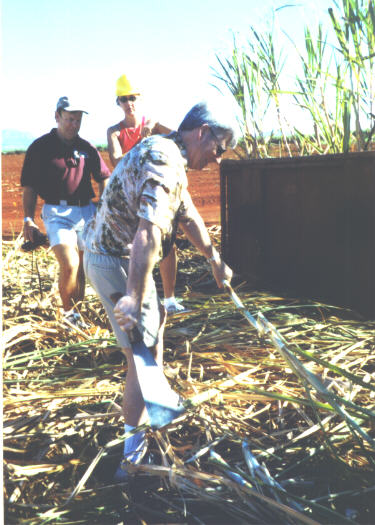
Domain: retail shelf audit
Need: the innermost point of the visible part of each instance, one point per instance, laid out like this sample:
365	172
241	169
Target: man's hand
30	231
126	312
221	271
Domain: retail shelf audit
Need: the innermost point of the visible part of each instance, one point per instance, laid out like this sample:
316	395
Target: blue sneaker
74	320
123	476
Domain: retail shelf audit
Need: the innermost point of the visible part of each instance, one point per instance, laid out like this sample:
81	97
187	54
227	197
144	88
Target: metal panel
303	225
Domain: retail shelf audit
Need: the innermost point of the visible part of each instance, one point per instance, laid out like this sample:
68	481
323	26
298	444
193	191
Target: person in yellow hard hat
134	127
122	137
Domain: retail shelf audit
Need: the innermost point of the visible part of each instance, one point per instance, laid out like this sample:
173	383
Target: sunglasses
130	98
219	148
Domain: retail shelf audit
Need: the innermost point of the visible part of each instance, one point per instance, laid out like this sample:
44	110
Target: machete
162	403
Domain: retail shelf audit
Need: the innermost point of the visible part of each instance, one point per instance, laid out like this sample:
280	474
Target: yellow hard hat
124	88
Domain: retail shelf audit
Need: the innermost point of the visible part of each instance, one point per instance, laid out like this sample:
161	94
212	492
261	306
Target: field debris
262	442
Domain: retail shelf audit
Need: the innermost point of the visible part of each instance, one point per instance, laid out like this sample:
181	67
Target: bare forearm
196	231
102	185
29	199
159	129
114	147
143	258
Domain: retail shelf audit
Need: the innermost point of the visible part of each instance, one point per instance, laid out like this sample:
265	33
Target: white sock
134	445
171	301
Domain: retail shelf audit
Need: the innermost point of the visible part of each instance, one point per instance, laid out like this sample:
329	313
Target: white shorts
64	224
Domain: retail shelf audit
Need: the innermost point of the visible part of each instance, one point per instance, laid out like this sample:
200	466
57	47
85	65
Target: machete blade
162	403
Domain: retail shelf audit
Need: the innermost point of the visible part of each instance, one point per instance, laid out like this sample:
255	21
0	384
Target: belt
70	202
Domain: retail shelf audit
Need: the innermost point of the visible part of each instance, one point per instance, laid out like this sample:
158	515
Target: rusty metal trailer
303	225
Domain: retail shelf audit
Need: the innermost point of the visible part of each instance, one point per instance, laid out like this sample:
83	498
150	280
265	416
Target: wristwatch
28	219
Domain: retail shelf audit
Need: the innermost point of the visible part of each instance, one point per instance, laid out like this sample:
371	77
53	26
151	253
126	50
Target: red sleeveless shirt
129	137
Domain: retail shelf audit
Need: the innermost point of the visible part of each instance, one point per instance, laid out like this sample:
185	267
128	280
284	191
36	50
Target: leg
133	405
134	411
71	276
108	275
81	279
168	272
63	224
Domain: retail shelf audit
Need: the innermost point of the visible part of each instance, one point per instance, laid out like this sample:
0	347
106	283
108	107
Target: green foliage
102	147
335	89
356	38
14	152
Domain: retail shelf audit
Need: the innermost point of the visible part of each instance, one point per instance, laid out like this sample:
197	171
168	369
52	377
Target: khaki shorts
108	275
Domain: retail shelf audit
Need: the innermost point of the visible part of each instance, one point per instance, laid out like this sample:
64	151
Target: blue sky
80	47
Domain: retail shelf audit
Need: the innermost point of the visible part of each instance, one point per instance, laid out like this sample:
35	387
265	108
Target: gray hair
222	124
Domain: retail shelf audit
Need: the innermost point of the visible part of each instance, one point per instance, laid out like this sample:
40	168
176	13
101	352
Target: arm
195	230
159	129
100	172
154	128
143	257
101	185
29	199
114	147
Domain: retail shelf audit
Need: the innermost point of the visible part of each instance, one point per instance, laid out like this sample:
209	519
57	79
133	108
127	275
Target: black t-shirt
60	171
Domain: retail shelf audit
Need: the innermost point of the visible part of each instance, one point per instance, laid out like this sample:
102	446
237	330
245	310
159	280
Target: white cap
65	104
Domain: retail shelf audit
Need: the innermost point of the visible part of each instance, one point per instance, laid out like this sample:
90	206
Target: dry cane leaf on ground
260	444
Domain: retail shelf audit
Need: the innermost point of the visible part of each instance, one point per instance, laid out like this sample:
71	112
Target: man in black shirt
58	168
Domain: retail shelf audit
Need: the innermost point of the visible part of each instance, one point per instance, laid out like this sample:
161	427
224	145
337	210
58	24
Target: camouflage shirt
149	182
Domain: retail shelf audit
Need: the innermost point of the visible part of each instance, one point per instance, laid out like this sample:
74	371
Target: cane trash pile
268	436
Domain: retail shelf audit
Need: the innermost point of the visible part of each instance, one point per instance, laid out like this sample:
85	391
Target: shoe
74	319
123	476
175	308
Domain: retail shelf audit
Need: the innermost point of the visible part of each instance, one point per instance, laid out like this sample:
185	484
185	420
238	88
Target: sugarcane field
256	405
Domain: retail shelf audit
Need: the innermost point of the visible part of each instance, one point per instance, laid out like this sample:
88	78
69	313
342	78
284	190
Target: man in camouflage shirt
152	185
144	201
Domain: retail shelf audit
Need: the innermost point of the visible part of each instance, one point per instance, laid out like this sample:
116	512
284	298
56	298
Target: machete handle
134	334
237	301
239	304
115	297
226	285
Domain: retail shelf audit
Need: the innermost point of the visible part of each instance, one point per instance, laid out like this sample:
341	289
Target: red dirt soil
204	187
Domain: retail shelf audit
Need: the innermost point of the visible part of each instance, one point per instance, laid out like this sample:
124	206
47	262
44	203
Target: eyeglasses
130	98
219	148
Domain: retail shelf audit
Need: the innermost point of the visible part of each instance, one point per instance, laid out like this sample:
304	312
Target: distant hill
12	140
15	140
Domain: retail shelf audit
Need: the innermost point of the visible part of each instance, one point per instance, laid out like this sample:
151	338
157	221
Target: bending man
137	218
